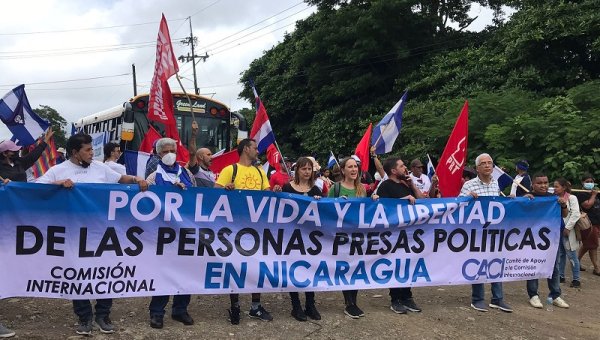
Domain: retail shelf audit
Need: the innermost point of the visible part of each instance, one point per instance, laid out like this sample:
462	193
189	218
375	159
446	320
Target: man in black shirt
399	185
13	167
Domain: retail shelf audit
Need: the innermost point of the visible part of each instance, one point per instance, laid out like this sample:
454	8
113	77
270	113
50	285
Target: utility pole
191	40
134	80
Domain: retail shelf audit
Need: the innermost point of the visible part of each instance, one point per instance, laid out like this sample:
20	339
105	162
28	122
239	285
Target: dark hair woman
303	184
590	204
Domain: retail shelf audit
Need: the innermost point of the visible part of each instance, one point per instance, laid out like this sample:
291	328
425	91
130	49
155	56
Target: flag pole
186	95
281	154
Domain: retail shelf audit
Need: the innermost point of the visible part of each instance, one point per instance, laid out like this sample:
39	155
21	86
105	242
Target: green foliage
57	122
532	82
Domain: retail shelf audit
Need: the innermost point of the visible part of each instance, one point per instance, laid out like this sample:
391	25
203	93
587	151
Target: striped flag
430	168
332	161
15	111
261	131
135	162
387	130
47	158
504	179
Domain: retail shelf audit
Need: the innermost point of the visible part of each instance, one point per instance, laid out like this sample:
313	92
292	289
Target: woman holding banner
569	244
303	184
350	186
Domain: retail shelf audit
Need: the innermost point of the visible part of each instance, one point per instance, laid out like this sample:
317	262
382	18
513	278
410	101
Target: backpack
235	173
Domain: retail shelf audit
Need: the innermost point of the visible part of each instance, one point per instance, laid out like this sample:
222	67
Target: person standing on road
484	185
112	152
245	175
569	245
540	189
82	168
401	186
303	184
590	204
13	167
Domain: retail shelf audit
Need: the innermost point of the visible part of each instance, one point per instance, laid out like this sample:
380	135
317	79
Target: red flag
160	106
451	164
223	160
149	138
362	149
274	157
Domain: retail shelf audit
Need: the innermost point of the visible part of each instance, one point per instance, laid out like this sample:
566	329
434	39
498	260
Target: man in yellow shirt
245	175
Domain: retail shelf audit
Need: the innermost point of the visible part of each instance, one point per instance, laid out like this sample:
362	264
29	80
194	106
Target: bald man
201	168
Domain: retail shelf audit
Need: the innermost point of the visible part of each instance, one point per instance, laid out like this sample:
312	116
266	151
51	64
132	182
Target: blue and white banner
99	241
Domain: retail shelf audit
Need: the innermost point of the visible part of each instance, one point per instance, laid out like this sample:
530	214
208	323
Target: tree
57	122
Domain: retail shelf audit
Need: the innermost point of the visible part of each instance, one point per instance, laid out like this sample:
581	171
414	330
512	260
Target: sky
76	56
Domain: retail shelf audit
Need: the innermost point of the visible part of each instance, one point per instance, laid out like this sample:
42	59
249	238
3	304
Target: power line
249	27
201	10
260	29
69	80
249	40
85	28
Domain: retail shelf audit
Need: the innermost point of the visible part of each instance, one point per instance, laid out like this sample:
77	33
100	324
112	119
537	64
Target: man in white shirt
82	168
420	179
112	152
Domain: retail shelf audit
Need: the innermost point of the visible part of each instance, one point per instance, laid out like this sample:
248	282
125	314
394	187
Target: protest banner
104	240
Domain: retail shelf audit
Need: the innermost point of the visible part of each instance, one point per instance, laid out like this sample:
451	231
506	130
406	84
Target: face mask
588	186
169	159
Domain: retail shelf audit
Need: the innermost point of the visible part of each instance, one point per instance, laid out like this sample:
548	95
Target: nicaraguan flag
135	162
16	113
504	180
332	161
261	131
430	168
385	133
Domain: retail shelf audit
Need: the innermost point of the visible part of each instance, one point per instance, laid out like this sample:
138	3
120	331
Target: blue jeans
553	282
478	292
572	254
180	304
83	309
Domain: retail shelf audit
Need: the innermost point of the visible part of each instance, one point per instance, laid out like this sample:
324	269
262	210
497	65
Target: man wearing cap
521	178
61	155
417	176
13	167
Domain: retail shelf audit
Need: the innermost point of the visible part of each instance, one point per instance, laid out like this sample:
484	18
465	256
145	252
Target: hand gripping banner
100	241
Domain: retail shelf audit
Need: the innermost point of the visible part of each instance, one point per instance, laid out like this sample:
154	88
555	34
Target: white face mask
169	159
588	186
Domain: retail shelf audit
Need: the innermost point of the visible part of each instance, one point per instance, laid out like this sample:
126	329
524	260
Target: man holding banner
245	175
399	185
484	185
81	168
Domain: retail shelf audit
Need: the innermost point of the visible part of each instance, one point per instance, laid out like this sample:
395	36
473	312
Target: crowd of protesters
388	179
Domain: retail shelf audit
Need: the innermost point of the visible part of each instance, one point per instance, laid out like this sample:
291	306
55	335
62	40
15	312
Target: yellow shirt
247	177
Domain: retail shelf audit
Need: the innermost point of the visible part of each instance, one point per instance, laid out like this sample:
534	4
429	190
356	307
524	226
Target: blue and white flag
430	168
135	162
332	161
15	111
385	133
504	180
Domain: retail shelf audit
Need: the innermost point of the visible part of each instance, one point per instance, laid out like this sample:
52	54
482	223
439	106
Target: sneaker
234	315
5	332
298	313
105	325
410	305
562	280
156	321
398	308
360	312
260	313
84	328
312	312
479	305
575	284
535	302
559	302
501	305
184	318
353	311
